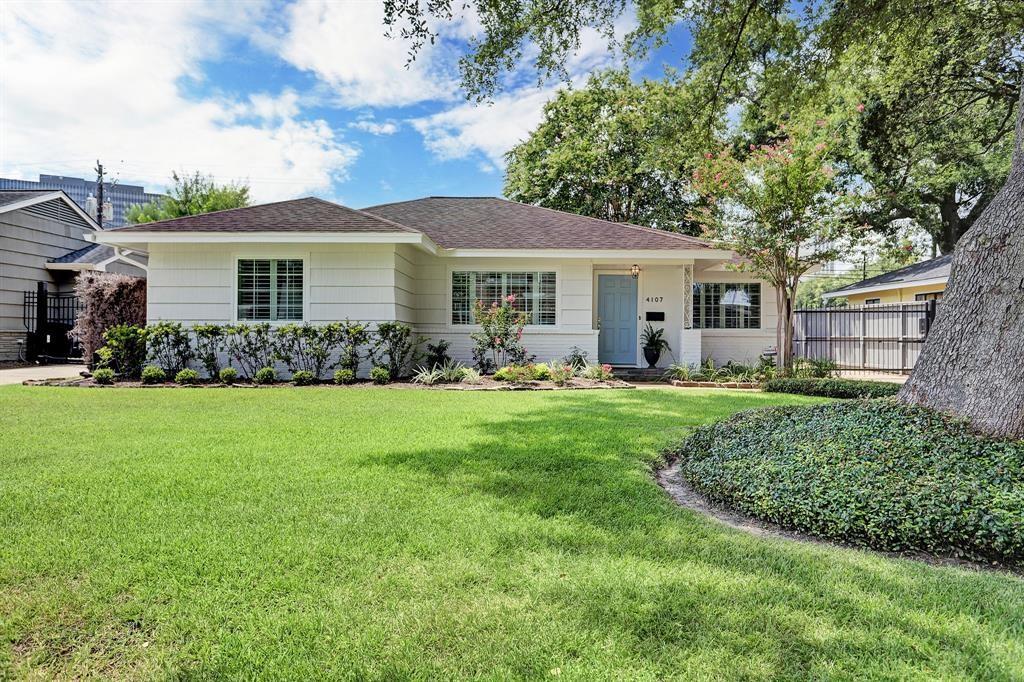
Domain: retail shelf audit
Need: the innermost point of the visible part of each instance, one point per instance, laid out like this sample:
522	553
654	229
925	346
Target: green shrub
395	347
561	372
541	371
437	354
304	378
250	347
471	375
228	375
307	347
186	377
380	374
104	375
151	374
598	372
451	371
876	473
169	346
344	376
209	339
833	388
577	358
265	375
814	368
515	374
124	350
427	377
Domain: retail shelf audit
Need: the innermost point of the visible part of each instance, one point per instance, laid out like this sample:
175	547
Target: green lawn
388	534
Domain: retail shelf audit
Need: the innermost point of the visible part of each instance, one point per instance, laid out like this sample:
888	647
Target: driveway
16	375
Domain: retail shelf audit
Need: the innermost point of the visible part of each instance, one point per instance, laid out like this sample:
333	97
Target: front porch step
638	373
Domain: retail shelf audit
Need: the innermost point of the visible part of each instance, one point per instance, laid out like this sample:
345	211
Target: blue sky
296	98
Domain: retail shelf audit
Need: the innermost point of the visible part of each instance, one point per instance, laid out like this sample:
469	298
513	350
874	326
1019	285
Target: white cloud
115	92
492	129
374	127
344	44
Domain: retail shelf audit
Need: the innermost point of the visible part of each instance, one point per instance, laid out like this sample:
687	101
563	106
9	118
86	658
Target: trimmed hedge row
874	473
833	388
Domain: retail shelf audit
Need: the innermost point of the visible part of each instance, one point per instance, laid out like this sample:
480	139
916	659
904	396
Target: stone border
668	476
577	384
714	384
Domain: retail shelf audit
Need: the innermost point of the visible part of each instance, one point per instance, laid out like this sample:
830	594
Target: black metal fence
878	338
48	318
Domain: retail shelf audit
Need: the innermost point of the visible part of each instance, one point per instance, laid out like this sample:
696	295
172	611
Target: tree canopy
610	150
937	80
190	195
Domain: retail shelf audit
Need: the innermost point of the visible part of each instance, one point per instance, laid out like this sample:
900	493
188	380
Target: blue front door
616	309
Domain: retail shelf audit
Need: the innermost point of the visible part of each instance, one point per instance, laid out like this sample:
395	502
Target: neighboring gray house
42	239
120	196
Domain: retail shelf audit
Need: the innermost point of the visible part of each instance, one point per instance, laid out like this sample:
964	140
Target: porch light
635	271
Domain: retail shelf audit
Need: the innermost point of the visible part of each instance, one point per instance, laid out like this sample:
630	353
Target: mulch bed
486	384
712	384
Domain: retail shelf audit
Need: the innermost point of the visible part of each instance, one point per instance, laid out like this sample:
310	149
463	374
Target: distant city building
116	197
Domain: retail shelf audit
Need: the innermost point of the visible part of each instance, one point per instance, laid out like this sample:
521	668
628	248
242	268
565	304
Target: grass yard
390	534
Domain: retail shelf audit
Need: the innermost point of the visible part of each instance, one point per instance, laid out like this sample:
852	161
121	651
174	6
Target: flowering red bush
499	341
107	299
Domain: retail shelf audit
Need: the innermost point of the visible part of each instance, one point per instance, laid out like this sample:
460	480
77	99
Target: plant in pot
654	344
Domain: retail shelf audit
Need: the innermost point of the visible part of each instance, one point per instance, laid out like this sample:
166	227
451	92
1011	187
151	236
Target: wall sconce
635	271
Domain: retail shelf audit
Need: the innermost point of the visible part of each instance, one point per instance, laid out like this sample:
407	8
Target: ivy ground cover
387	534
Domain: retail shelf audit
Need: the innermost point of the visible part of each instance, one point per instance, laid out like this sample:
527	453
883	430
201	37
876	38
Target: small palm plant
654	344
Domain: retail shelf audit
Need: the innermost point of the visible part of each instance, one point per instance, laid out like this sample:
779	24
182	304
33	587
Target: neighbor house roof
15	196
16	199
927	272
297	215
92	256
492	223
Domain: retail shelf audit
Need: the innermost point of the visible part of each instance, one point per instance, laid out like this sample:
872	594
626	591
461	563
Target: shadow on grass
673	589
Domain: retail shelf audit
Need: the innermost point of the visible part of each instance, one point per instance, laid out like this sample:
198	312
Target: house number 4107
655	299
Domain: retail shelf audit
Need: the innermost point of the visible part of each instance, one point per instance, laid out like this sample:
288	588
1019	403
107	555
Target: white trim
597	255
55	194
285	254
71	266
120	237
887	287
531	328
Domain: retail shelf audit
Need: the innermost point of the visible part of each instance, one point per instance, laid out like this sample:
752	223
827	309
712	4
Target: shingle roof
13	196
94	254
936	268
297	215
491	223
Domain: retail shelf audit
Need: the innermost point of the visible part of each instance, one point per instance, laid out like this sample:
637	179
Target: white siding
379	282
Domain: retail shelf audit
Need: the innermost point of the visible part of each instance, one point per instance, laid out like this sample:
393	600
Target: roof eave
141	237
591	254
842	293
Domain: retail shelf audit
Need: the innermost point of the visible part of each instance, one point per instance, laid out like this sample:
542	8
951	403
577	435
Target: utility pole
99	193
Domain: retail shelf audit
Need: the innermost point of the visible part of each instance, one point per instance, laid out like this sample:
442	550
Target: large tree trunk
972	364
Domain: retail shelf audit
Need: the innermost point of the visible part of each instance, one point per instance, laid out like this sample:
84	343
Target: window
872	301
269	290
930	296
726	306
534	292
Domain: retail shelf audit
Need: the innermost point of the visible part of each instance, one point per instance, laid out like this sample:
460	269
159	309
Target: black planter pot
652	355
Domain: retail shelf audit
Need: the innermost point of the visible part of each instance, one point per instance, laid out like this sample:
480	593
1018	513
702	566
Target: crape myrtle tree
782	209
931	61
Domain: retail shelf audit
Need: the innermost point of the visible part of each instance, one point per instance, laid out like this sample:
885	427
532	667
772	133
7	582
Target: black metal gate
878	338
49	319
